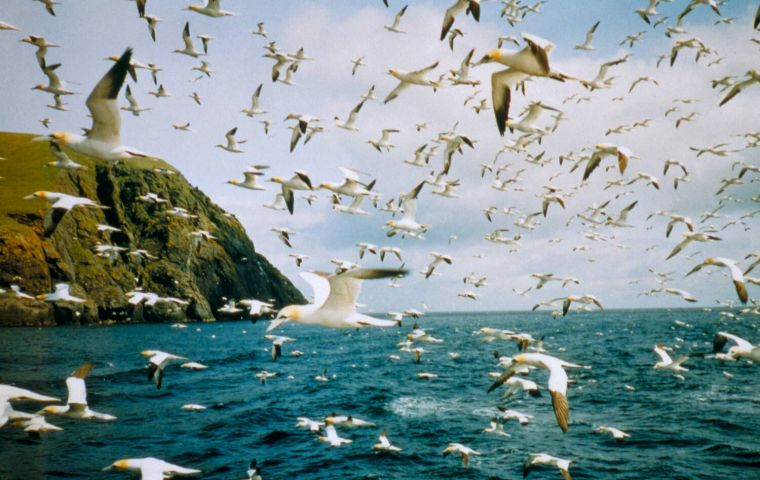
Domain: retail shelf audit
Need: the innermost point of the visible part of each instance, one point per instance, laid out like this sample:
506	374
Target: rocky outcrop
200	272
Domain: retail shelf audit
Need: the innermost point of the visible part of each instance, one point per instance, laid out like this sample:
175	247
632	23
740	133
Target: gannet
497	428
250	180
7	26
151	468
384	445
102	140
557	381
299	181
61	294
382	142
394	27
358	62
741	348
260	31
196	97
42	46
307	423
354	208
471	7
229	308
49	5
195	366
602	150
232	143
211	9
407	224
35	425
257	307
133	107
55	85
58	103
689	237
277	204
366	247
264	375
667	363
184	127
255	108
62	160
9	392
406	79
332	437
533	60
76	405
157	361
160	92
752	77
617	434
347	421
350	124
438	258
188	41
736	274
394	250
152	21
507	414
535	459
586	45
277	342
462	450
517	384
335	298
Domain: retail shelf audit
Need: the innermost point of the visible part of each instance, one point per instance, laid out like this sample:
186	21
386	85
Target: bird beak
483	60
42	138
30	197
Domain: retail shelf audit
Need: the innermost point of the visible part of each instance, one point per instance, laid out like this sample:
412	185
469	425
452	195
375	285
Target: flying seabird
557	381
157	361
102	140
76	405
335	299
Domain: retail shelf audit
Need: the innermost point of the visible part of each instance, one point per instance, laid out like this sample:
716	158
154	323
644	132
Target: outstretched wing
106	121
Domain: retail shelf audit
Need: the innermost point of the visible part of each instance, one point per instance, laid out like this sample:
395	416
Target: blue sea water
705	426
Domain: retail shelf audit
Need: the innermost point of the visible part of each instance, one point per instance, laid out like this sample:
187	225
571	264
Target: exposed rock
201	274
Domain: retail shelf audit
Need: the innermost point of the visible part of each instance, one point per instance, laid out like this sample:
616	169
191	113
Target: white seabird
151	468
157	361
557	381
76	405
335	299
102	140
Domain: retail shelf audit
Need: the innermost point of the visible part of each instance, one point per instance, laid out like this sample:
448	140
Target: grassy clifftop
228	266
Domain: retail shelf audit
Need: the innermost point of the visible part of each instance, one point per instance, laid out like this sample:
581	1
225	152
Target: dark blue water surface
705	426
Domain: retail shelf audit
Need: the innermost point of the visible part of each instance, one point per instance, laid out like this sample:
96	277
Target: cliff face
198	272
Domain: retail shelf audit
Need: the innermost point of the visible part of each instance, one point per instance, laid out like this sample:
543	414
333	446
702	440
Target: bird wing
345	287
739	341
663	355
501	83
409	202
396	91
106	121
590	34
77	393
187	38
320	284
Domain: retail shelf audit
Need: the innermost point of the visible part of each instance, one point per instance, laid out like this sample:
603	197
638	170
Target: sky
615	270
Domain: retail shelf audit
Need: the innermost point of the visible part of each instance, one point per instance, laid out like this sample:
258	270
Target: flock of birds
335	300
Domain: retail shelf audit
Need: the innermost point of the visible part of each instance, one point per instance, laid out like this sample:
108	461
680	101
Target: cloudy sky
615	270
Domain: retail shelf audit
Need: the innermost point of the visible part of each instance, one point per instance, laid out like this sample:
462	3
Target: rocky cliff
200	272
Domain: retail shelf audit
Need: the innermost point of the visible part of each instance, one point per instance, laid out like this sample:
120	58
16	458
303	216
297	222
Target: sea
704	425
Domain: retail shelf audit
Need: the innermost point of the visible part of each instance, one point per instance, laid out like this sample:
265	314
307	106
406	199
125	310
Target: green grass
25	171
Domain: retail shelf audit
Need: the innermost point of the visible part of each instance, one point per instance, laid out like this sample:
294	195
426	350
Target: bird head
492	56
122	464
277	180
56	137
519	358
709	261
233	182
39	194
